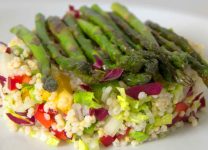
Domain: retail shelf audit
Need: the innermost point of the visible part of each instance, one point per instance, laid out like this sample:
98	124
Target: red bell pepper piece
60	135
39	116
181	106
12	81
107	140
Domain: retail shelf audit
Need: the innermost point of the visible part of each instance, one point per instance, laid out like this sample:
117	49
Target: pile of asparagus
144	51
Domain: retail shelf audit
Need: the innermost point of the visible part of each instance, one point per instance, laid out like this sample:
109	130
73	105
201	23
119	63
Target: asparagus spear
177	39
99	10
135	79
41	29
131	62
66	39
32	41
80	68
95	33
85	43
151	66
135	37
147	40
201	69
114	36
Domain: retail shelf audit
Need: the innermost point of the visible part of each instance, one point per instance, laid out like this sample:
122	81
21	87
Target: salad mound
99	78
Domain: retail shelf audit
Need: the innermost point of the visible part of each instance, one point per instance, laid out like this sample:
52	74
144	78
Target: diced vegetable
12	81
94	144
122	99
86	98
181	106
137	117
121	136
82	145
112	126
107	140
100	113
39	116
60	135
166	119
178	93
64	101
139	136
53	141
90	130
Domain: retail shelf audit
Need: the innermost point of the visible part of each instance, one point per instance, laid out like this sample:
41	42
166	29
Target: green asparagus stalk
41	29
151	66
33	42
66	39
95	33
82	69
131	62
177	39
85	43
135	79
147	40
99	10
135	37
201	69
112	33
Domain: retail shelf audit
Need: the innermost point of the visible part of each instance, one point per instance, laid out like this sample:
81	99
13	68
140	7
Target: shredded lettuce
82	145
33	97
52	141
86	98
166	119
93	143
137	117
139	136
112	126
178	93
90	130
134	107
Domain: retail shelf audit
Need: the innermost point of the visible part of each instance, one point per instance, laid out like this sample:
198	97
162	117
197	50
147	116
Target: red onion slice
112	74
98	63
24	122
71	8
150	89
202	102
100	113
24	114
85	87
8	49
190	92
2	80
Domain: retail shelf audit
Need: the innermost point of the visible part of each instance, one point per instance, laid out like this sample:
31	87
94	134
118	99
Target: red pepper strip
12	81
181	106
39	115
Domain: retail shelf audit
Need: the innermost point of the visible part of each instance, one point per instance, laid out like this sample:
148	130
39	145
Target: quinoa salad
99	79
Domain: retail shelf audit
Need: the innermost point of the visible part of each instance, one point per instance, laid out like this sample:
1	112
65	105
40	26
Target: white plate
193	27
